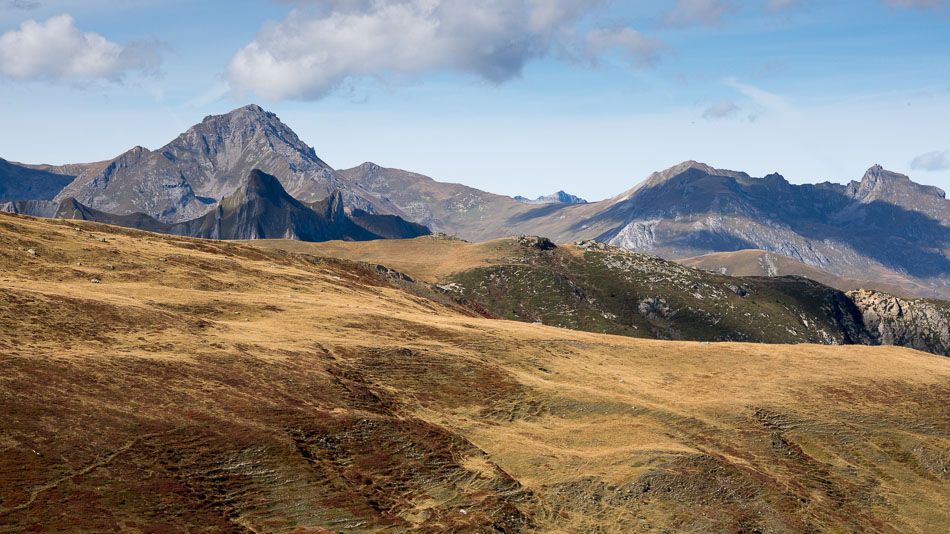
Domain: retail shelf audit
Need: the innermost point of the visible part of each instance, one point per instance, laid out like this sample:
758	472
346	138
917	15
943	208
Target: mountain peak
252	108
880	183
248	113
878	173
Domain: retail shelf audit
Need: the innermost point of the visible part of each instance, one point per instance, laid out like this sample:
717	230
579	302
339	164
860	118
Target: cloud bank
315	48
56	51
932	161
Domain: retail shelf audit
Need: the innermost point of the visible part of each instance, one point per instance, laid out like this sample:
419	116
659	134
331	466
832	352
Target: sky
518	97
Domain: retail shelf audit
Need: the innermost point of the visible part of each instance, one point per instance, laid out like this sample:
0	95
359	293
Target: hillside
598	288
218	387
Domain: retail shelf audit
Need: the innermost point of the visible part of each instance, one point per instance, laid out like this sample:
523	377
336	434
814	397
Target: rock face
919	324
184	179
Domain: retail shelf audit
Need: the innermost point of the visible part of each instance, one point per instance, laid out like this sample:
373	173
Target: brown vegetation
218	387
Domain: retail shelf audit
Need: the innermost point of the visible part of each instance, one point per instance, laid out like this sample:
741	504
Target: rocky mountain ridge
883	228
258	209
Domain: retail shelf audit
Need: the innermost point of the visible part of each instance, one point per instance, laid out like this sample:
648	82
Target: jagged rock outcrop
920	324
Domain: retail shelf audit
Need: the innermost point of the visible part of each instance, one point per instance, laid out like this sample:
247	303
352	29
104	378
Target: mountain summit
187	176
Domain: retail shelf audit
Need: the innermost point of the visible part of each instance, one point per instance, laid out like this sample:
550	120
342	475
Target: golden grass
240	387
427	258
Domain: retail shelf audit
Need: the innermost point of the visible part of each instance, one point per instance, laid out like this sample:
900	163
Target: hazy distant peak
880	183
560	197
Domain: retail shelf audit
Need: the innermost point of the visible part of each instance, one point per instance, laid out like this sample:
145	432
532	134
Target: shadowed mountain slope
19	182
218	387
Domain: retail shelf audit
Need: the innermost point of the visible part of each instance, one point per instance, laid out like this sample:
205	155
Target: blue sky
516	97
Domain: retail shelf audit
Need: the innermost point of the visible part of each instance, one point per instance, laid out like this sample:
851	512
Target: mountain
184	179
20	182
221	387
441	206
884	228
258	209
555	198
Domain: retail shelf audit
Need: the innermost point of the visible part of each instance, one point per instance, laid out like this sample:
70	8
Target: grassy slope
195	394
602	289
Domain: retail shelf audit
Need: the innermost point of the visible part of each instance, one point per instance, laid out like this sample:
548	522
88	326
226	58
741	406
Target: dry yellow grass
427	258
225	388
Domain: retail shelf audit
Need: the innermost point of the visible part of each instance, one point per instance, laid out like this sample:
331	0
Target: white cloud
932	161
56	51
311	52
721	110
640	49
693	12
770	101
918	4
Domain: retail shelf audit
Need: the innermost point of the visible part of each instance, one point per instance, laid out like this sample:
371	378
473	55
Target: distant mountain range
884	228
555	198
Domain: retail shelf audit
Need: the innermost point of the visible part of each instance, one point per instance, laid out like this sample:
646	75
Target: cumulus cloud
56	51
721	110
918	4
696	12
316	48
932	161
